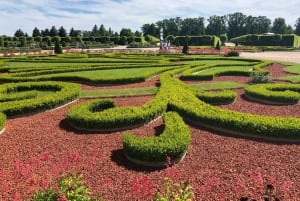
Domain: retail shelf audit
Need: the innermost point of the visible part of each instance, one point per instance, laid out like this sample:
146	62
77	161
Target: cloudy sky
84	14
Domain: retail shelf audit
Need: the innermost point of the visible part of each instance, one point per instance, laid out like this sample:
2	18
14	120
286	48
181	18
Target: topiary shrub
259	77
232	54
185	49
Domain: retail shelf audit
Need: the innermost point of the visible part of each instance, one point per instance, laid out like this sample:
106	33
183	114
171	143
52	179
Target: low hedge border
274	93
188	74
2	122
217	97
230	132
62	94
153	151
109	118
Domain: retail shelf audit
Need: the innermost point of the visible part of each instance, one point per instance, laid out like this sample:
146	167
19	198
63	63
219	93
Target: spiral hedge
22	98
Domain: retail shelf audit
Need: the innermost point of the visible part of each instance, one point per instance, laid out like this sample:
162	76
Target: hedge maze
26	89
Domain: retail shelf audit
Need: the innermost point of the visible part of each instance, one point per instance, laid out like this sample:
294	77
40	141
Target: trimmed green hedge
18	96
287	40
190	74
59	93
276	93
204	40
2	121
216	97
83	117
173	142
193	109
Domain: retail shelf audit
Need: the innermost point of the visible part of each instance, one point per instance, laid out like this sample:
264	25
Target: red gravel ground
217	166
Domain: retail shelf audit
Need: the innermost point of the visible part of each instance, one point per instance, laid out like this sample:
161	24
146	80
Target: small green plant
175	192
45	195
71	187
259	77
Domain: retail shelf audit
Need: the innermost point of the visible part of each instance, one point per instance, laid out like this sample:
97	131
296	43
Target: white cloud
84	14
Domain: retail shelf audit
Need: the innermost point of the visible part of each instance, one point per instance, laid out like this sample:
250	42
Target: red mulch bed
217	166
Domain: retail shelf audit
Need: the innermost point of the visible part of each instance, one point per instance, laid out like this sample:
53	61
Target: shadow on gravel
120	159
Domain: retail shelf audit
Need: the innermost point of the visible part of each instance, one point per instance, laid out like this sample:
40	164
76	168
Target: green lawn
105	93
295	69
224	69
112	73
218	85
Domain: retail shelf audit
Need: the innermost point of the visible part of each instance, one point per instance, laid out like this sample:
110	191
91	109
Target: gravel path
217	166
274	56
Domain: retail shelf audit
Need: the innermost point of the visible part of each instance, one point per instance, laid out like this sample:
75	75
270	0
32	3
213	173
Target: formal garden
148	126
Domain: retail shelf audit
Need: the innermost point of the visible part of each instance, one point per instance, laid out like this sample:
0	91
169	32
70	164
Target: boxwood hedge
58	94
274	93
173	142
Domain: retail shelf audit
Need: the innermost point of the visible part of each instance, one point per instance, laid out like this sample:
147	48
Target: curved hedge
110	118
173	142
59	93
274	93
216	118
176	96
216	97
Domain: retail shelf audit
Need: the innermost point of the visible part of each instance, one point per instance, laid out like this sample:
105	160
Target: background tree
126	32
236	24
216	25
263	24
279	26
289	30
110	32
1	41
53	31
137	34
62	32
150	29
297	26
74	33
102	31
192	26
170	26
22	40
19	33
36	32
95	30
45	32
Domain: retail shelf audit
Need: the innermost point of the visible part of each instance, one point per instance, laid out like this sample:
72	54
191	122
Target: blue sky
84	14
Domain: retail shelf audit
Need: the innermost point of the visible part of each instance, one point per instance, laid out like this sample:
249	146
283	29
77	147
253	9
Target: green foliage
71	188
275	93
45	195
175	192
109	119
259	77
205	40
286	40
232	54
223	38
216	97
173	142
2	120
60	93
185	49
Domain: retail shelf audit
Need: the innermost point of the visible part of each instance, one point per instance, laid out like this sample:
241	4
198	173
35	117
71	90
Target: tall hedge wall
204	40
287	40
